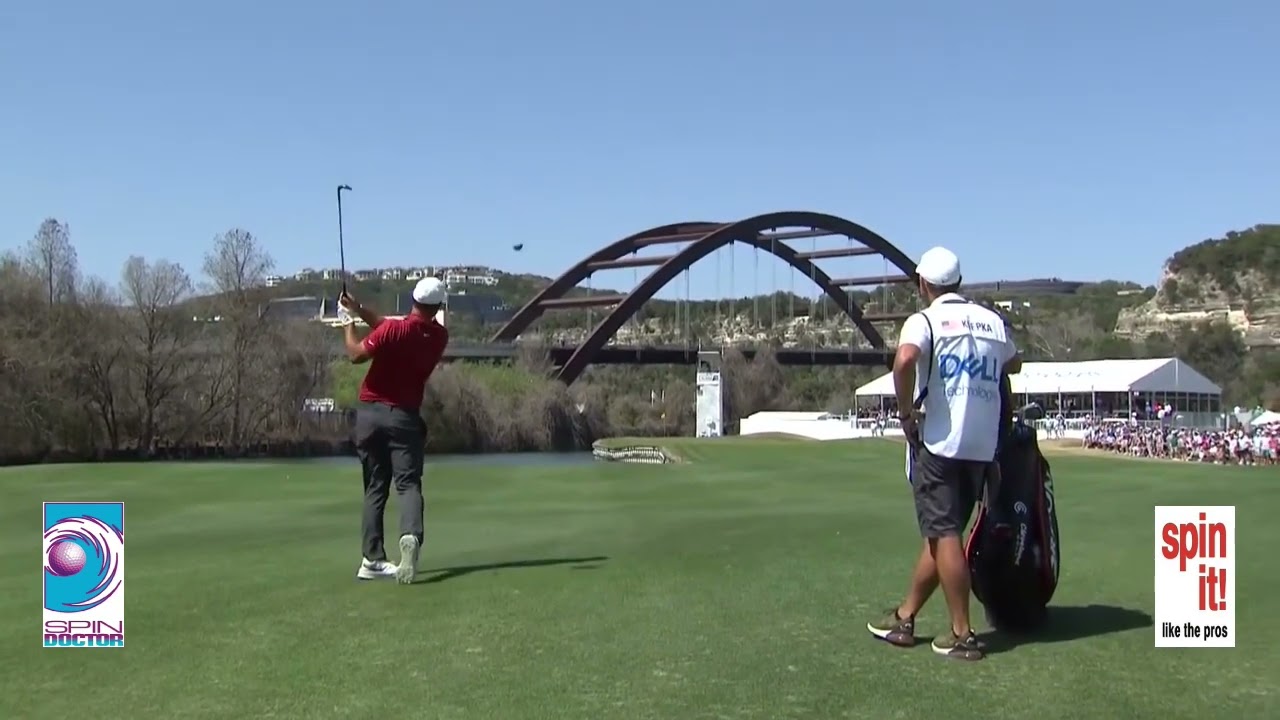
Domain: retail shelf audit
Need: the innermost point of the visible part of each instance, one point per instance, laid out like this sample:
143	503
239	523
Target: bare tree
20	420
101	362
237	265
237	269
38	340
765	383
52	258
157	336
1055	335
298	369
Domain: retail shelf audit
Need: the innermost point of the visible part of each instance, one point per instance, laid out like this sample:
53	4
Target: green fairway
735	585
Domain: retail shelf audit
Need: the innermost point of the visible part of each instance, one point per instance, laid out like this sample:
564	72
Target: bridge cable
853	331
885	285
687	324
677	326
791	299
773	282
733	286
591	314
635	317
814	310
755	289
719	294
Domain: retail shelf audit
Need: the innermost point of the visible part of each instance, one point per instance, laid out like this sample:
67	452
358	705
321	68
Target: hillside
659	321
1233	279
1235	276
782	318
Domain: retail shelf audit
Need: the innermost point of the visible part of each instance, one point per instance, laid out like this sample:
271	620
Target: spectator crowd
1235	446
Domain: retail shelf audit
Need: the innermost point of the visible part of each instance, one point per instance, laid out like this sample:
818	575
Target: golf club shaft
342	249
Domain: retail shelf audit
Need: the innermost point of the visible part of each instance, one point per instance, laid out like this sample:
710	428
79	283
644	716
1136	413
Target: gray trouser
390	442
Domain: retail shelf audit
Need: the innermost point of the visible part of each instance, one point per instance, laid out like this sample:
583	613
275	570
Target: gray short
946	490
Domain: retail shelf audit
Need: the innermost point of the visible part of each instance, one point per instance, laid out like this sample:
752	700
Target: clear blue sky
1085	142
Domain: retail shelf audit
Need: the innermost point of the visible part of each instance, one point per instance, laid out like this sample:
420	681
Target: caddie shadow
1067	623
436	575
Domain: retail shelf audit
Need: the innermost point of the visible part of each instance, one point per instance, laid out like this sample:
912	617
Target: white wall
844	428
827	429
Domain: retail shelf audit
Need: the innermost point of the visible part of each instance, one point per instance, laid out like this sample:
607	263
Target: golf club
342	252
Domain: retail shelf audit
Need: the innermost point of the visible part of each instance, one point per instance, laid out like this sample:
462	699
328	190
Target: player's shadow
436	575
1072	622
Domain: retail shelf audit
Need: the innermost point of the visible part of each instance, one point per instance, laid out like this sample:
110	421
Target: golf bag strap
928	375
924	392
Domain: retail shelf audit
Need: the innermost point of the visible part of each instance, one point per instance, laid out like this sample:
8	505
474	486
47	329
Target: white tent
1269	417
1167	375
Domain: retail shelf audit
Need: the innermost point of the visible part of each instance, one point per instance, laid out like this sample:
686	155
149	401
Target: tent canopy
1049	378
1269	417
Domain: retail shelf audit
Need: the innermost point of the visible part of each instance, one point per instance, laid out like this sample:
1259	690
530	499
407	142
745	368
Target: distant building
365	275
469	276
480	308
274	280
331	274
1012	304
305	275
305	307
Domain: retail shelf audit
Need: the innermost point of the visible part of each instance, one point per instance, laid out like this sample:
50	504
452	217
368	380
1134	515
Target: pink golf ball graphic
83	564
66	558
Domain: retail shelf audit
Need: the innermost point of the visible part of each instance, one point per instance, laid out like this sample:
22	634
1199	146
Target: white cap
429	291
939	266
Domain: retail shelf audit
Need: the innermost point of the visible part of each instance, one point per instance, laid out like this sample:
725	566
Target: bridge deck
660	355
674	355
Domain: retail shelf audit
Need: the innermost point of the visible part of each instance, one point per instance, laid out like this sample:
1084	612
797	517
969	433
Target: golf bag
1013	548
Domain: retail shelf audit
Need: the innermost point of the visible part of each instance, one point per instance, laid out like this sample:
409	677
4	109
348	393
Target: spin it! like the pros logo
1195	575
83	574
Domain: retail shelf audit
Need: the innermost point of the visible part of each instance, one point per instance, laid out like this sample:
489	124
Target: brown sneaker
966	648
895	630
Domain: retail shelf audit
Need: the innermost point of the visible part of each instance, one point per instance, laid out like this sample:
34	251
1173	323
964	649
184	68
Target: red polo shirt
405	352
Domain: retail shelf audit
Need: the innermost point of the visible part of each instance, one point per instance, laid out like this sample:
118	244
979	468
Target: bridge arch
559	287
704	238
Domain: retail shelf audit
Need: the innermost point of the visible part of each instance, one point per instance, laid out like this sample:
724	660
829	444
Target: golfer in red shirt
390	433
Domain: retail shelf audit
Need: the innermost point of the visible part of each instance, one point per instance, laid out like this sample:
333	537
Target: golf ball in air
66	558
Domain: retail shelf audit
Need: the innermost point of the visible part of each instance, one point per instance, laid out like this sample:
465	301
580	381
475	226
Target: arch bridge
773	233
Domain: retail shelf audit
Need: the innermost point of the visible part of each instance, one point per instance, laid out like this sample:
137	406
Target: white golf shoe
408	568
375	570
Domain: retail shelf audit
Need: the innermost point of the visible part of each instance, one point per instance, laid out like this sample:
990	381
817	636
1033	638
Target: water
522	459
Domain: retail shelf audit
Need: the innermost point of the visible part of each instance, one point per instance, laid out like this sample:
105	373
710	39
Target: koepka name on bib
978	325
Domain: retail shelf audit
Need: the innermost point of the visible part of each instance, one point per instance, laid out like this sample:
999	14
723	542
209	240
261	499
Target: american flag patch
947	325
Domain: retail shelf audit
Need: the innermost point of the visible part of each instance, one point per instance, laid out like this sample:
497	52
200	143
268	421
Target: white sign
709	410
319	405
1195	576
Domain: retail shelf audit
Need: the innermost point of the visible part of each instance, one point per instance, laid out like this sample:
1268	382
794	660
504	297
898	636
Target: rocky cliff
1235	279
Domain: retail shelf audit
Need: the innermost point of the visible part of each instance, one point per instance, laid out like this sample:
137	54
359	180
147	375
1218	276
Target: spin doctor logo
83	574
1195	576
